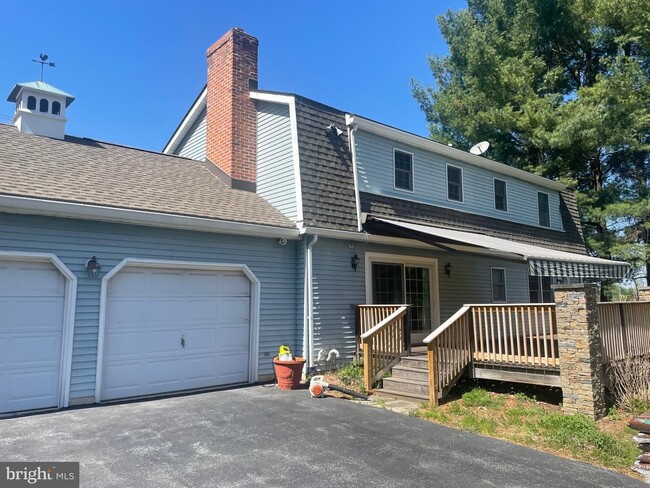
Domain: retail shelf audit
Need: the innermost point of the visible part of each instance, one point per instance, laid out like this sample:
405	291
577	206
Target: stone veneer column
578	332
644	294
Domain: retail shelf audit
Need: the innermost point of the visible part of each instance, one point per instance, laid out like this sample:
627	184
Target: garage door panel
234	284
35	350
32	298
202	284
233	310
201	310
233	367
201	339
165	284
232	338
133	344
143	353
30	279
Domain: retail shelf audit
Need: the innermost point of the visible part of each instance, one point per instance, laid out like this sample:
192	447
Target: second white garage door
175	329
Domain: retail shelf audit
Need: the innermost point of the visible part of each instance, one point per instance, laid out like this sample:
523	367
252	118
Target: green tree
559	88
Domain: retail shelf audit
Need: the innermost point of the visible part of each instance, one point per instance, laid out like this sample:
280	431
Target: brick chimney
231	114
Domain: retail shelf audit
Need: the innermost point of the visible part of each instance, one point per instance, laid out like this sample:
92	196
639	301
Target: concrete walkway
266	437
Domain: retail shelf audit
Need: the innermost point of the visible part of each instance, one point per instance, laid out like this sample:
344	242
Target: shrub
630	379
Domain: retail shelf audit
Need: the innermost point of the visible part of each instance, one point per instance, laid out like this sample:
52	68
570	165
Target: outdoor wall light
354	262
93	267
448	269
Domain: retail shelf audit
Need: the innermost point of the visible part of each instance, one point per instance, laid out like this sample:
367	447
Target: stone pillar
644	294
578	333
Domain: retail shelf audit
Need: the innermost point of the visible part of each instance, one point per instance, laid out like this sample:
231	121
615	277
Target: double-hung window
498	285
403	163
500	195
543	209
454	183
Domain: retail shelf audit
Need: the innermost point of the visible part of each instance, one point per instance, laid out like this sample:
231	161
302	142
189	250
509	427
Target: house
267	219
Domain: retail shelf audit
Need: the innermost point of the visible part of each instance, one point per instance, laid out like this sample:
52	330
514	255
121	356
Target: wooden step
419	362
407	386
418	374
399	395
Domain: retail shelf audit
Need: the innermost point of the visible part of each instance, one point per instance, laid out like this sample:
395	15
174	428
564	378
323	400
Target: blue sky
135	67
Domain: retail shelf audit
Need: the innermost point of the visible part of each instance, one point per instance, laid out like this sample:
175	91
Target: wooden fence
624	329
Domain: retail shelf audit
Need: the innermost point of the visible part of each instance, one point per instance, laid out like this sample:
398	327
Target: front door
412	284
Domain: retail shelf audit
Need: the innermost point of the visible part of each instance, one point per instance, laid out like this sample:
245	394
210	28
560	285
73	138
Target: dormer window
31	103
44	106
403	166
56	108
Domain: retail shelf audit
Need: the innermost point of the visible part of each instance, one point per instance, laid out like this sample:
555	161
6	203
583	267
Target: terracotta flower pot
288	373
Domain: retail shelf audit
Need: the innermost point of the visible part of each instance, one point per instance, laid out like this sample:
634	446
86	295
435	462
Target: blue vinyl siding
193	145
337	288
275	170
376	175
74	241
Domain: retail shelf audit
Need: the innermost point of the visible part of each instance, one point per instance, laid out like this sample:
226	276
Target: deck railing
449	351
519	334
522	335
384	343
624	329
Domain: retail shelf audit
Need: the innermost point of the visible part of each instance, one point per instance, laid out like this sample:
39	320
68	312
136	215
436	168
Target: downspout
309	285
352	129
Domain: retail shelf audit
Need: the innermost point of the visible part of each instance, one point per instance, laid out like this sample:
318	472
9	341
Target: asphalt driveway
266	437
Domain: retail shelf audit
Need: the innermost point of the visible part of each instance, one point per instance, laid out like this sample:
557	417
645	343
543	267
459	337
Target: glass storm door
394	284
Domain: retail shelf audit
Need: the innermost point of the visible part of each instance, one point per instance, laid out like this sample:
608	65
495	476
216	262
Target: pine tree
560	88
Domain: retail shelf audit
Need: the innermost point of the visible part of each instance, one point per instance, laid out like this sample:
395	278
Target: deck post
433	375
578	333
644	294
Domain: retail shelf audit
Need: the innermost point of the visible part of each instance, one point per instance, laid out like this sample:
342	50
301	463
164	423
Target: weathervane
43	62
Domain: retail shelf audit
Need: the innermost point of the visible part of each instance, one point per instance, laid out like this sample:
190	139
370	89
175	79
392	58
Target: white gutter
35	206
352	129
451	152
310	302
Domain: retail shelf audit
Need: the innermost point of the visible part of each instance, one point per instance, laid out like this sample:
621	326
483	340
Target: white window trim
376	257
505	285
462	183
548	209
69	305
206	266
494	196
395	187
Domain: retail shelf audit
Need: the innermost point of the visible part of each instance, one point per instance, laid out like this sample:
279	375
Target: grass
524	420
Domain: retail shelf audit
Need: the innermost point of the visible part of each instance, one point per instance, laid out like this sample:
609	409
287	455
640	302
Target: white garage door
174	329
31	331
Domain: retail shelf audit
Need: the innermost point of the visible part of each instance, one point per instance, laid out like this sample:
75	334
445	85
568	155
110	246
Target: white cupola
40	109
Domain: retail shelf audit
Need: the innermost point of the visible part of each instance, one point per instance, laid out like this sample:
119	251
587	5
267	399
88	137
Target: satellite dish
480	148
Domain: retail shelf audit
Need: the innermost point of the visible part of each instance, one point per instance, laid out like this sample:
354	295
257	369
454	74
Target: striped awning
542	267
541	261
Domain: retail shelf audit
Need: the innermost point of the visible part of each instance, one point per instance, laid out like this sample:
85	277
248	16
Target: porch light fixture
93	267
354	262
448	269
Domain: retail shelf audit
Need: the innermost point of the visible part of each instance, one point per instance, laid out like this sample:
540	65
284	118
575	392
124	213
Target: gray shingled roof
98	173
328	191
325	168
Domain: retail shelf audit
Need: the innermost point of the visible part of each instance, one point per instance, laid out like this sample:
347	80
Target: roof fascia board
451	152
189	119
34	206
